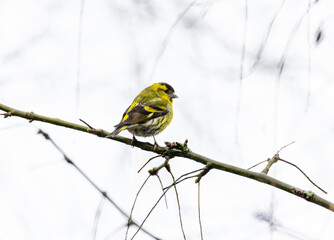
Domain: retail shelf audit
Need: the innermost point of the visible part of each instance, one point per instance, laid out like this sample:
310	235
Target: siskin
150	112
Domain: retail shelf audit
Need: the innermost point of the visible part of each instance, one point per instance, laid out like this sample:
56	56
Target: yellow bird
150	112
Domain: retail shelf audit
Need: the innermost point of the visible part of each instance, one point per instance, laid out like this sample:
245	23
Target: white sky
126	46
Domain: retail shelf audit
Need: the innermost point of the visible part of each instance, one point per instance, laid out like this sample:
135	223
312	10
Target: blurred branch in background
275	226
178	150
168	36
103	193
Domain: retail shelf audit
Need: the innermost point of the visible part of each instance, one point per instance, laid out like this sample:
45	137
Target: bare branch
178	202
271	161
148	162
188	154
149	213
258	164
133	206
199	210
162	188
68	160
285	147
276	158
97	216
280	159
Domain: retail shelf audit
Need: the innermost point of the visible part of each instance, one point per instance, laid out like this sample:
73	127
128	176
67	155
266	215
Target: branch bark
178	152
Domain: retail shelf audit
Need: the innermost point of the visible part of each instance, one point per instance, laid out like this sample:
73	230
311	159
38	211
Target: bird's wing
144	111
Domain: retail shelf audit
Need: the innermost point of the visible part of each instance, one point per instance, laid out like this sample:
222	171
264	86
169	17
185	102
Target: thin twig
162	188
281	66
241	76
166	189
86	123
68	160
149	213
81	17
274	159
258	164
111	235
280	159
98	132
264	41
285	147
148	162
266	170
183	179
133	206
309	58
178	202
199	210
183	175
168	36
97	216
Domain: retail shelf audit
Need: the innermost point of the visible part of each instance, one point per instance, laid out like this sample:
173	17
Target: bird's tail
116	131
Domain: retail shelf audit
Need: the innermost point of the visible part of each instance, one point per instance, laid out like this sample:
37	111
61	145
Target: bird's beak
173	96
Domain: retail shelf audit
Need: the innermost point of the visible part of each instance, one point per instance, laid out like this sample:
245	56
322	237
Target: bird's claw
133	140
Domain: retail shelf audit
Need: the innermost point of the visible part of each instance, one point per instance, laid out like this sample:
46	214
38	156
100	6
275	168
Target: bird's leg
155	143
133	140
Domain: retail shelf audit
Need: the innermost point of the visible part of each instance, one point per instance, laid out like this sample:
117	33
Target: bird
149	113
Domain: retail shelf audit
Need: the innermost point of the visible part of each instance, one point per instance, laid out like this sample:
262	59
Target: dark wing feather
142	109
139	114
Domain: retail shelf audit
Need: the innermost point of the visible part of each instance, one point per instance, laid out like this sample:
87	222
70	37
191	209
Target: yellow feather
150	112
